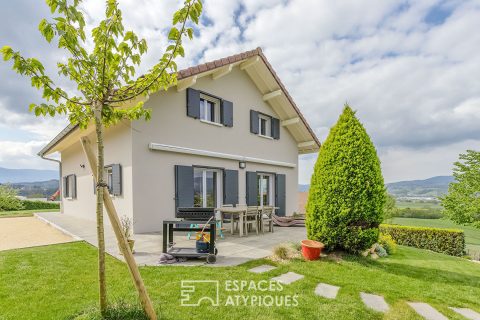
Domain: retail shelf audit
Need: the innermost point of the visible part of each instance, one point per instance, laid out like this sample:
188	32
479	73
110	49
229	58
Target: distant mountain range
26	175
431	187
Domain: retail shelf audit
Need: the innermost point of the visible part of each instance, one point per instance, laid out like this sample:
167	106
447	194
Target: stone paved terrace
232	250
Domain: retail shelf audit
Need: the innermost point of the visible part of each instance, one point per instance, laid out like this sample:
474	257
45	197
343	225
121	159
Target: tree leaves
347	193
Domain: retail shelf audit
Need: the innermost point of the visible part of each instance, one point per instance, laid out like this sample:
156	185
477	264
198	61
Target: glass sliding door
265	189
206	187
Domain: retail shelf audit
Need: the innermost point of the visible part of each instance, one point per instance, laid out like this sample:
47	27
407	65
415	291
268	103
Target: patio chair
251	219
230	218
266	215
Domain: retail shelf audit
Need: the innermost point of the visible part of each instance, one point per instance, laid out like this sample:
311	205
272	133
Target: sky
409	68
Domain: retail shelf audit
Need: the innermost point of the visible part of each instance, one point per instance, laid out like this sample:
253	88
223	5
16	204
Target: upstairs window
264	125
209	109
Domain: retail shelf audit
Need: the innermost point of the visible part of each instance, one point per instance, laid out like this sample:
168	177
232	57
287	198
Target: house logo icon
195	292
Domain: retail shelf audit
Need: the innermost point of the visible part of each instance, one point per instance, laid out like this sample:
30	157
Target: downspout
59	178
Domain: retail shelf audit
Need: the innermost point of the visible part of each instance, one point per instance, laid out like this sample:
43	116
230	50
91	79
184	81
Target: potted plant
311	250
127	227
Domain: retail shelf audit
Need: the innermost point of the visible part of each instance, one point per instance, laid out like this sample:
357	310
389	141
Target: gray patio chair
266	216
251	219
229	218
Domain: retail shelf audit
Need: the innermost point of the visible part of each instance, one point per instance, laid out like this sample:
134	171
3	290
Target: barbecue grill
195	213
189	219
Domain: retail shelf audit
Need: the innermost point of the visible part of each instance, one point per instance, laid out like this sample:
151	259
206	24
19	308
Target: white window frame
216	106
271	188
219	186
109	178
268	126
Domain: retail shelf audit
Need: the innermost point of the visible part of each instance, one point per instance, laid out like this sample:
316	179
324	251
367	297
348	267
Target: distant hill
26	175
431	187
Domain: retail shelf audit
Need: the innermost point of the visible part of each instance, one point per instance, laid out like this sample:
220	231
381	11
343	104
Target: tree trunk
100	229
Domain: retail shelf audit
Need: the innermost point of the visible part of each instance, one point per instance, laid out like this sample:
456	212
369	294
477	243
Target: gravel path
24	232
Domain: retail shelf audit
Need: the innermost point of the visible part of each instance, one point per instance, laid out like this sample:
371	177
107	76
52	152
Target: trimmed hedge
448	241
34	205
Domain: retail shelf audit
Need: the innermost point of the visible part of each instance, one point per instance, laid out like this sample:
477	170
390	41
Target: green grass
472	235
24	213
418	205
54	282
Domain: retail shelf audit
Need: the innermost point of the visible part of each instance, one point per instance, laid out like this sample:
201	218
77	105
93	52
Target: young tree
462	203
389	209
104	76
347	193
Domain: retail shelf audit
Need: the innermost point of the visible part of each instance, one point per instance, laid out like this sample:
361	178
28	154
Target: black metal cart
196	216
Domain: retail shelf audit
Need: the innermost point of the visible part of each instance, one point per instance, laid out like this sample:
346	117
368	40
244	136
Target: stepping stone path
288	277
374	302
261	269
467	313
326	290
427	311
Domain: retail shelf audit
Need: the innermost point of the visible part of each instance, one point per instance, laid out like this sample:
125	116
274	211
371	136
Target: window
207	187
109	178
264	125
265	189
70	186
209	109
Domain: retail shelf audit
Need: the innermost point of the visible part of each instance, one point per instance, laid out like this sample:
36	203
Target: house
227	133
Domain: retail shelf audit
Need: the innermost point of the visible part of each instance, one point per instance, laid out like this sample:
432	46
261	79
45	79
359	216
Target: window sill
266	137
212	123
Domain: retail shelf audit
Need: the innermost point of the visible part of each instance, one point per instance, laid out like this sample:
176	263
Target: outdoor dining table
240	211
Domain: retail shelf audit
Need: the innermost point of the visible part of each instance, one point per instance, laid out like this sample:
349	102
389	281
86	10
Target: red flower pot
311	249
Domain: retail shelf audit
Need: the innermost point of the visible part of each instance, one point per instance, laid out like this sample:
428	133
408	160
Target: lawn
472	235
418	204
24	213
54	282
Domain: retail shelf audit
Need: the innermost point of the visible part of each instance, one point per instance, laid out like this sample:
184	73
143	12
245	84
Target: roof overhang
256	65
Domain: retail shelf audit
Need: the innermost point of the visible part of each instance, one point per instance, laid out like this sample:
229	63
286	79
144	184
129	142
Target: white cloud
414	83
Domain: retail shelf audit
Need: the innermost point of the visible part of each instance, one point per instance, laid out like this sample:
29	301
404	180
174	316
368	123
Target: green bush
347	193
35	205
8	199
448	241
419	213
387	242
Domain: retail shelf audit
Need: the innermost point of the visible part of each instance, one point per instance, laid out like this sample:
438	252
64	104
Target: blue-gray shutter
280	201
73	191
193	103
230	187
183	186
253	121
227	113
252	189
64	187
116	179
275	128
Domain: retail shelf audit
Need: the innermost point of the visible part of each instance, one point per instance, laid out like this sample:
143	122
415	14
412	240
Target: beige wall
153	171
118	142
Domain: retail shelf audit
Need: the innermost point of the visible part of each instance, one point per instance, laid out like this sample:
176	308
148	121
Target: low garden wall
448	241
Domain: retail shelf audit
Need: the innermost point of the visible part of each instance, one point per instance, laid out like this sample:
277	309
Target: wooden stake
122	240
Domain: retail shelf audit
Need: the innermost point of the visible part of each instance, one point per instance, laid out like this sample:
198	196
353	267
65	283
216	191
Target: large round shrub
347	193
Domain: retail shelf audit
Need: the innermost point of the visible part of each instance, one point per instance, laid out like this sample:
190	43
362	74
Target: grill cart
188	220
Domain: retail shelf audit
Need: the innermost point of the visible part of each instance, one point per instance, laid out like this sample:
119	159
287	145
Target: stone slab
374	302
467	313
261	269
288	277
326	290
427	311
